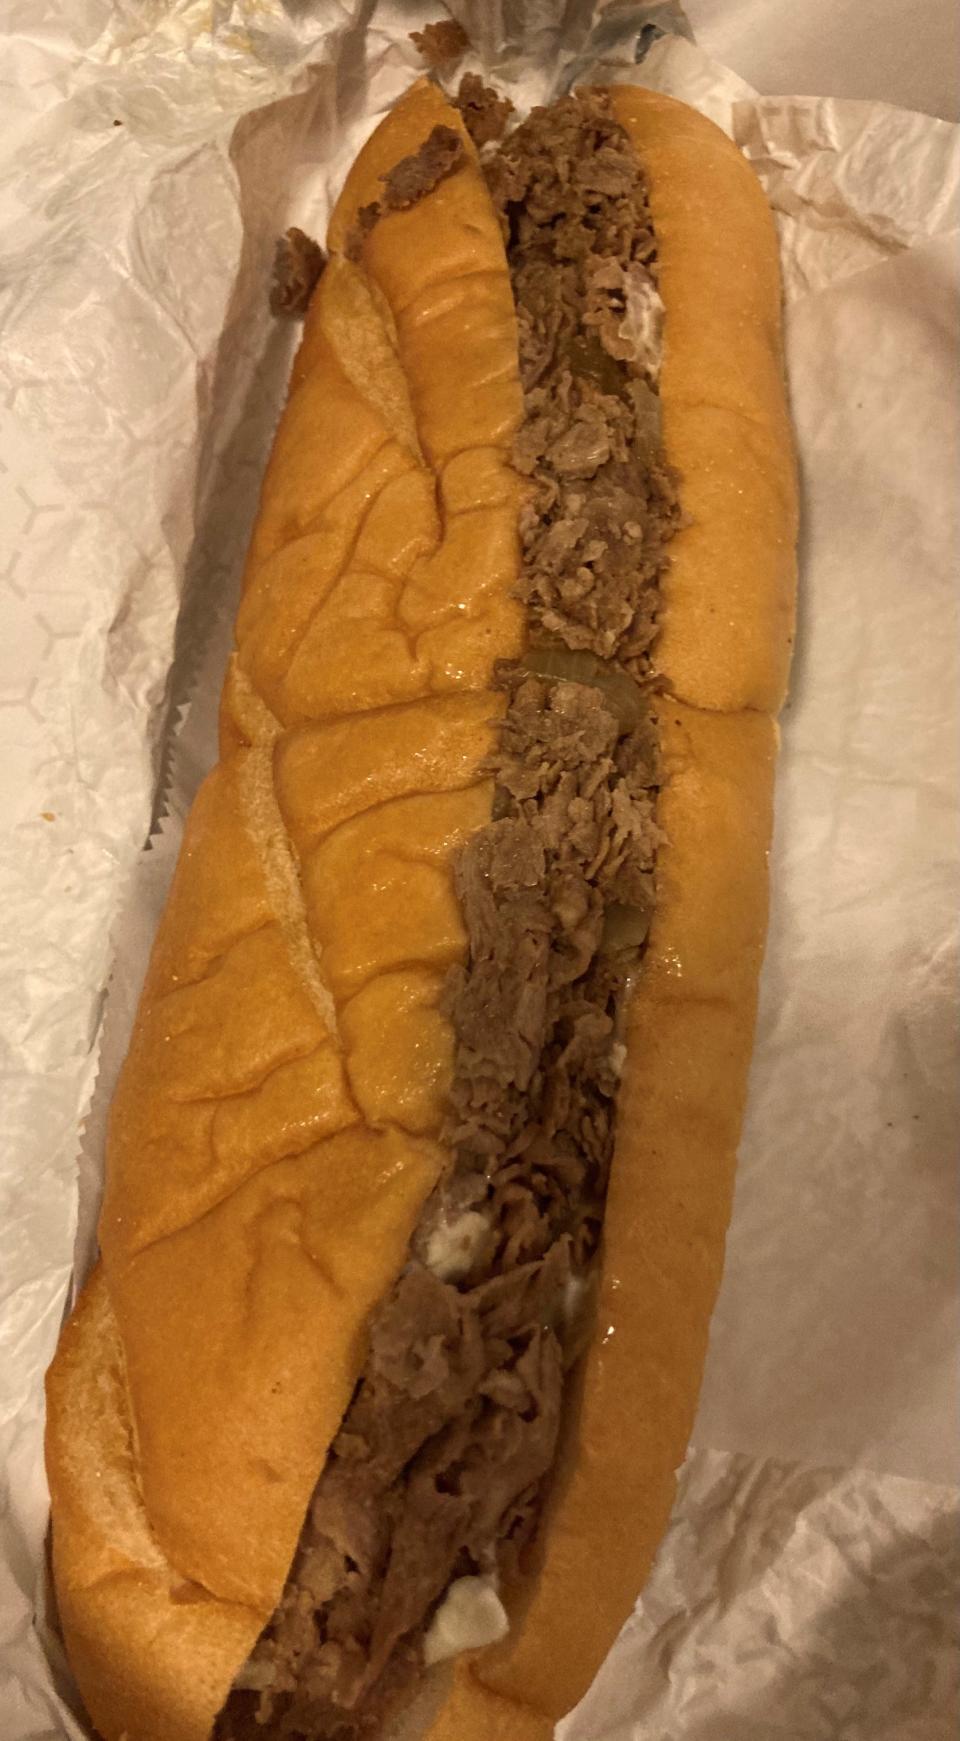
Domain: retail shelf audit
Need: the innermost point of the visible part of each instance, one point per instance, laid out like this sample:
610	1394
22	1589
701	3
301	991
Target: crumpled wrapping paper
149	155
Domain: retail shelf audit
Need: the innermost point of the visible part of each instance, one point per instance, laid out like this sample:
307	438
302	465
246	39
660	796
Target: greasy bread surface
275	1131
269	1151
727	616
148	1651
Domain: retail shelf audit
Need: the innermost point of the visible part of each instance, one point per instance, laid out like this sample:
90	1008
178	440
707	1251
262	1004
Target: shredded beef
297	266
366	217
485	114
441	1464
451	1430
441	153
575	832
440	42
603	503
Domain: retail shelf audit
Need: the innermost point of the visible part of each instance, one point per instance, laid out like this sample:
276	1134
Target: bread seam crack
264	821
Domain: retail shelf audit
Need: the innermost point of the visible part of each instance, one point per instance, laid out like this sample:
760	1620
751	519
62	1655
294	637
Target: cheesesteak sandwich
420	1164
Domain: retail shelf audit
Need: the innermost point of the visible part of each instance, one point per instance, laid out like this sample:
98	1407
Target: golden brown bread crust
728	597
149	1654
271	1142
269	1152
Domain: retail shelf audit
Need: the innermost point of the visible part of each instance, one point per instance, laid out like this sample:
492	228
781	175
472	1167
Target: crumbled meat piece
440	1467
440	42
363	223
573	207
441	153
578	798
297	266
485	114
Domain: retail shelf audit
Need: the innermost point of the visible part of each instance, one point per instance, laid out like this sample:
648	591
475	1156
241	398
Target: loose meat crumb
440	42
440	1468
297	266
485	114
365	219
441	153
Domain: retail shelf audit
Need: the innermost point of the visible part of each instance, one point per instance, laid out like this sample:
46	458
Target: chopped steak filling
485	114
440	42
297	266
440	1467
440	154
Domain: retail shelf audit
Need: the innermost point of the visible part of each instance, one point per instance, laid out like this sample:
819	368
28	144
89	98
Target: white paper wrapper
805	1588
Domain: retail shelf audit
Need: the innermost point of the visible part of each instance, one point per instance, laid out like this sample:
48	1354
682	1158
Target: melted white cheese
470	1616
453	1245
642	323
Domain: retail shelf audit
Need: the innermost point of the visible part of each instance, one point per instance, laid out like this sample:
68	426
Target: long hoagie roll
421	1161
